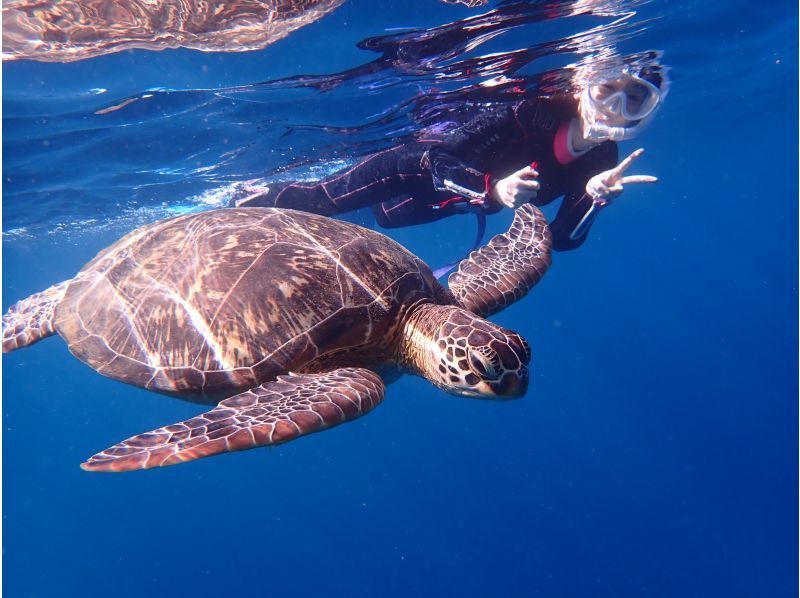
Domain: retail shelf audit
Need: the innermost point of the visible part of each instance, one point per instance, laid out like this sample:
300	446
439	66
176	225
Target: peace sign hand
604	187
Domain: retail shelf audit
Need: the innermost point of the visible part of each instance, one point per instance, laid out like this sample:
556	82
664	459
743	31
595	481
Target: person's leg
374	179
407	211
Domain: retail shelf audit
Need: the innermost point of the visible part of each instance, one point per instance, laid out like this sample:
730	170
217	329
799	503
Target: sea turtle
297	318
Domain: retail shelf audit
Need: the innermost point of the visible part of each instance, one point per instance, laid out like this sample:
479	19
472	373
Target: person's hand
517	188
604	187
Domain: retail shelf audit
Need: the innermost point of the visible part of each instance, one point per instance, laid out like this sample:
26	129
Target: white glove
604	187
518	188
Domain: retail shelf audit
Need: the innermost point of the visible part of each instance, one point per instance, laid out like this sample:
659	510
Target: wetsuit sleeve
575	215
448	160
573	209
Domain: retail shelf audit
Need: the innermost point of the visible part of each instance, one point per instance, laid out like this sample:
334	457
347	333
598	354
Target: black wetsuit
407	184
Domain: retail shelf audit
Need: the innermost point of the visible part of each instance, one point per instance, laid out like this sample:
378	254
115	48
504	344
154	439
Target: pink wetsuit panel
561	145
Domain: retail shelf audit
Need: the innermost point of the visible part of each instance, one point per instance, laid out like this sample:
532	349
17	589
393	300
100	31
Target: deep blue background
655	455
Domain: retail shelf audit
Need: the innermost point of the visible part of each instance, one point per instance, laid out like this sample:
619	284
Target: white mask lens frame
633	98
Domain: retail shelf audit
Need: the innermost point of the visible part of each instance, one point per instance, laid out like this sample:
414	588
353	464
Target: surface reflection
74	30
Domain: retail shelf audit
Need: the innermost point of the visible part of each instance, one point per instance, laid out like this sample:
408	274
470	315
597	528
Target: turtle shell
219	301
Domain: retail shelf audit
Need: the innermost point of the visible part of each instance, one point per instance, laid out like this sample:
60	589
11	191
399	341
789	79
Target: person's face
622	100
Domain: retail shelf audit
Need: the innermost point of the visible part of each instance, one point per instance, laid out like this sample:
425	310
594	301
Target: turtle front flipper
507	267
270	414
31	319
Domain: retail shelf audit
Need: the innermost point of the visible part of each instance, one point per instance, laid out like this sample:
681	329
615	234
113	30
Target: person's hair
652	74
564	105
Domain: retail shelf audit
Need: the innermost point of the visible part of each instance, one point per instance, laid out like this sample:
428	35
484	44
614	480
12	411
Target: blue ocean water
656	451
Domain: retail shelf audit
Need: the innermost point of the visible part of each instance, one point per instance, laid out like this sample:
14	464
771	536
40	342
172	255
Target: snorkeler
535	150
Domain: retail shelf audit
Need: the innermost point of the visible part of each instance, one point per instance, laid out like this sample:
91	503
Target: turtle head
466	355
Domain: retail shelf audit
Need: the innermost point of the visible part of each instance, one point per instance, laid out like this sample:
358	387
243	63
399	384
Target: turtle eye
483	365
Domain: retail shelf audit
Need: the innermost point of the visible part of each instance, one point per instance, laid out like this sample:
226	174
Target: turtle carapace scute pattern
290	321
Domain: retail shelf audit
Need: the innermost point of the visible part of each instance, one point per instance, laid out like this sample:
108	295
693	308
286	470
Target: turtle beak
512	385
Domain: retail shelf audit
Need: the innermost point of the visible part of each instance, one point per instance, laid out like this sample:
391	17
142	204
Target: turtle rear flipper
31	319
507	267
270	414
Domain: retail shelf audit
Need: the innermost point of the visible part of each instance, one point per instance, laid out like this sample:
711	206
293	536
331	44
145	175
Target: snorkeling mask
619	108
